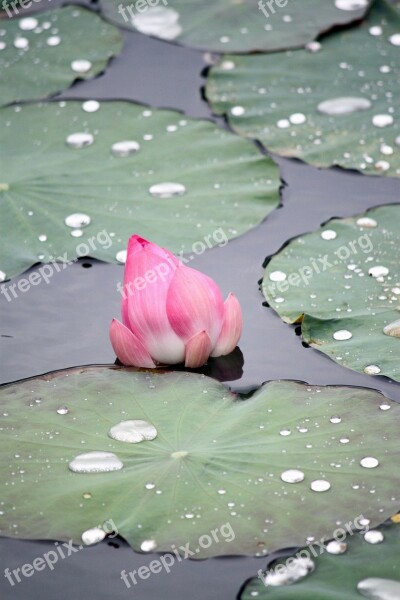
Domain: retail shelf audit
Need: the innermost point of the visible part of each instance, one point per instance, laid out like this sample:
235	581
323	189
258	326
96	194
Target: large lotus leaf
217	459
43	54
288	100
336	576
236	26
350	283
220	182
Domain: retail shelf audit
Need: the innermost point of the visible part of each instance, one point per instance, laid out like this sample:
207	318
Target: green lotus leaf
127	169
44	54
332	106
361	570
217	460
235	26
342	283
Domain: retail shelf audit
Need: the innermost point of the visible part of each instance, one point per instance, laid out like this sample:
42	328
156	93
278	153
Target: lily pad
331	106
45	53
362	570
117	168
240	26
342	283
217	460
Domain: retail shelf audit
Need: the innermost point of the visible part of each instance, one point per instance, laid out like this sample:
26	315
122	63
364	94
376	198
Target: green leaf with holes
221	185
235	26
43	54
363	570
334	106
342	283
217	462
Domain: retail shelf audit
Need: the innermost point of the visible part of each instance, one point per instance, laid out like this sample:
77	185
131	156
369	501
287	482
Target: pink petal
148	273
128	348
231	328
198	350
194	303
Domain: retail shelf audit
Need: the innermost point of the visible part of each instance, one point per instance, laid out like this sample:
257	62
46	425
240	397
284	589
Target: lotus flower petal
198	350
231	327
129	349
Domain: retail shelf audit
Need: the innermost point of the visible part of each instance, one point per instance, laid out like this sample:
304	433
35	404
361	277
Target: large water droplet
28	24
351	4
369	462
93	536
393	329
343	105
21	43
335	547
121	256
320	485
277	276
395	39
63	410
378	271
95	462
328	234
167	190
342	334
91	106
80	140
382	120
158	21
376	588
77	220
366	222
125	148
373	536
81	65
294	571
148	545
292	476
133	432
372	370
53	40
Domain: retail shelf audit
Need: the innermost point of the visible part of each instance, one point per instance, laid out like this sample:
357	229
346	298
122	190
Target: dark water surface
65	323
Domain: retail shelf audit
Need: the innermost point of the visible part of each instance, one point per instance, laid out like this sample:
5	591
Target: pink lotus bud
171	313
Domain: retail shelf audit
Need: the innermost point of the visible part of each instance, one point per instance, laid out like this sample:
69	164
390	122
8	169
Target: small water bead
133	432
342	334
375	30
42	238
150	486
77	220
277	276
221	492
369	462
320	485
382	166
385	406
313	46
93	536
167	190
373	536
351	4
290	573
366	222
2	276
283	123
292	476
77	233
28	24
382	120
344	105
227	65
395	39
63	410
87	495
81	65
335	420
21	43
80	140
53	40
297	118
344	440
378	271
148	545
237	111
121	256
376	588
95	462
328	234
91	106
125	148
372	370
393	329
159	21
3	45
285	432
386	149
335	547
